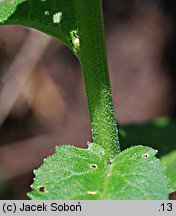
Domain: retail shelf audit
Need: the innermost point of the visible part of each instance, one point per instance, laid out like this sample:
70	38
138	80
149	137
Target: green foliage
74	173
62	19
169	161
158	134
54	17
101	171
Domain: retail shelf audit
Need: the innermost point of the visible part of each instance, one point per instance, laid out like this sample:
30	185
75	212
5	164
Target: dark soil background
42	96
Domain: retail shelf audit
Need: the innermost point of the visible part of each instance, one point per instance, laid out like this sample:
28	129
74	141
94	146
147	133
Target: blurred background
42	96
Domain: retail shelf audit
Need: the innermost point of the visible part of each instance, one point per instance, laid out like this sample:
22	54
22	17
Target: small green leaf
169	161
54	17
73	173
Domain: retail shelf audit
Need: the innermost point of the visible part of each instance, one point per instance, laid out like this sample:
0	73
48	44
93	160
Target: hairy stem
93	58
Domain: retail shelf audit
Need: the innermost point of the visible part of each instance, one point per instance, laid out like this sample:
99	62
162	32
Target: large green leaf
159	134
169	161
54	17
73	173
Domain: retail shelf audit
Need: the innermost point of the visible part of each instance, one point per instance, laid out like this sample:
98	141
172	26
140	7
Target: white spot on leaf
91	192
57	17
75	39
145	155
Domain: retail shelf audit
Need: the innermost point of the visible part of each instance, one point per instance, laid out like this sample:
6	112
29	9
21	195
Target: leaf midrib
106	181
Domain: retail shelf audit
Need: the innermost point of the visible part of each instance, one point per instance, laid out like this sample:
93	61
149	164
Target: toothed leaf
73	173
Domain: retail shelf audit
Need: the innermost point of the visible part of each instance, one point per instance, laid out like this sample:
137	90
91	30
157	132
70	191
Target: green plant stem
93	58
